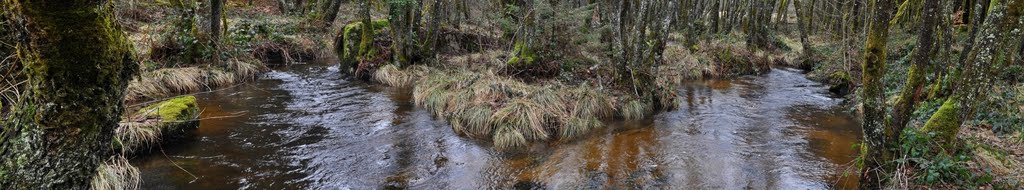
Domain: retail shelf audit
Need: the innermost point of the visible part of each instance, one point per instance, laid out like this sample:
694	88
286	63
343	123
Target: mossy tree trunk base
78	62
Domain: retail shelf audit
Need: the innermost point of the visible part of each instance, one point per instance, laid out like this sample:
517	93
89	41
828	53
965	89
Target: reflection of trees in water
626	159
405	147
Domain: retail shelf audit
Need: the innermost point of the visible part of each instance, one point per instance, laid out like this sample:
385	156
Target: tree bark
79	63
716	10
216	14
873	96
331	12
960	107
808	52
910	93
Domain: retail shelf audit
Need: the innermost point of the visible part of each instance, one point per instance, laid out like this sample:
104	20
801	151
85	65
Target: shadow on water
307	126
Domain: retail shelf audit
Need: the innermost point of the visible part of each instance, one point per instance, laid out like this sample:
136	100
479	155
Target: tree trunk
331	12
216	13
716	10
960	107
366	34
808	52
79	63
873	96
300	7
910	93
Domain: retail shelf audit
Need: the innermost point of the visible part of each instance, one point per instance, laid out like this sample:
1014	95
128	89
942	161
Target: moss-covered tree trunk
78	62
366	34
808	52
411	42
873	96
912	91
976	75
642	33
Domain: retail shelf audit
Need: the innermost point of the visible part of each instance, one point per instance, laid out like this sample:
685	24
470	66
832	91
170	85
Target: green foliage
548	34
185	42
936	165
1013	73
1003	108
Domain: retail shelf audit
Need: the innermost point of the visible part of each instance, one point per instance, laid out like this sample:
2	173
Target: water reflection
308	127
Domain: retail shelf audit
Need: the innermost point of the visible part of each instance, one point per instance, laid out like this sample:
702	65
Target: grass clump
591	101
522	115
507	111
636	109
172	81
391	75
116	174
578	125
477	120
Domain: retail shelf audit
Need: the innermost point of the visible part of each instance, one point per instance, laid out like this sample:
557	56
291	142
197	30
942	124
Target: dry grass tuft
116	174
391	75
578	125
508	111
245	70
166	82
636	109
507	138
592	101
477	120
551	103
218	78
522	115
174	81
133	135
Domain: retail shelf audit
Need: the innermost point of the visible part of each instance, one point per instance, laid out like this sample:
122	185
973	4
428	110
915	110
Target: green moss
946	122
348	44
522	55
178	109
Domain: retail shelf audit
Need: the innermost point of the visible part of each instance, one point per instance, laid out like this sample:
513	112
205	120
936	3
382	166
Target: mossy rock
174	119
840	82
346	44
176	109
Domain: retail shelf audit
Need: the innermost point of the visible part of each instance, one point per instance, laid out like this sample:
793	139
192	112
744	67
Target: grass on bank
509	112
116	173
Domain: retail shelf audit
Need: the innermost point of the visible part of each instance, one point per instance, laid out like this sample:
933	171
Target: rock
162	122
346	44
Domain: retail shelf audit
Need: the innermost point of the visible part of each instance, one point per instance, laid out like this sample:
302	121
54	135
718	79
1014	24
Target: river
308	127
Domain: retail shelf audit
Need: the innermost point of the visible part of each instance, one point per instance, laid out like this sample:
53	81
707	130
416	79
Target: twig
194	178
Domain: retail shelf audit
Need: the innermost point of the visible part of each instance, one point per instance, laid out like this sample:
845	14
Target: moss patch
176	109
946	122
347	44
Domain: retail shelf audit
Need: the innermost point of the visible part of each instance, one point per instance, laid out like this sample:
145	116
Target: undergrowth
928	163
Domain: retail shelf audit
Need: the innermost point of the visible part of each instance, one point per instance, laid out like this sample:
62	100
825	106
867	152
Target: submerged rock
162	122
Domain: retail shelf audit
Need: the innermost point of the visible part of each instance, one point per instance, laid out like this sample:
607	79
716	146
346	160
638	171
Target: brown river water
308	127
